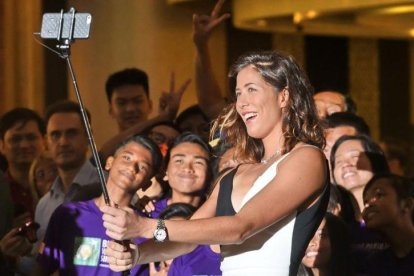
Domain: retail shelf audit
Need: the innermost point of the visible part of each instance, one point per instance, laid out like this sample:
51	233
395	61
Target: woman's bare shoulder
302	149
305	155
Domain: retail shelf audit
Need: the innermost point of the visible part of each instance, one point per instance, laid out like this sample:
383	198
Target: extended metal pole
89	133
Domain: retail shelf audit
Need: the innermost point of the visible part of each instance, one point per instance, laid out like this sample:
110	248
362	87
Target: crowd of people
275	180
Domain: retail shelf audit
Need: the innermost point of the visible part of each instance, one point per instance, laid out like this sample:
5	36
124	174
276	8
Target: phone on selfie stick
65	28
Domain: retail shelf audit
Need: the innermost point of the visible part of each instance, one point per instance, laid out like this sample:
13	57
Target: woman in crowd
354	160
328	252
43	172
265	211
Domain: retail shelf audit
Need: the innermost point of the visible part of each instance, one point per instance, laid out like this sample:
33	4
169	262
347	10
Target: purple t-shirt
202	261
364	244
75	242
159	205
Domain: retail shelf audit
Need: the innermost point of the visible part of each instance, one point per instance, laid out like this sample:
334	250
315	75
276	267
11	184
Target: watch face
160	234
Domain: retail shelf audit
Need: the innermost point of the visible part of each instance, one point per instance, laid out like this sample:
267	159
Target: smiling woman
263	214
354	160
328	252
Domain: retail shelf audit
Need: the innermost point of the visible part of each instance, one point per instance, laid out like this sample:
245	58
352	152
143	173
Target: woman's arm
299	182
120	260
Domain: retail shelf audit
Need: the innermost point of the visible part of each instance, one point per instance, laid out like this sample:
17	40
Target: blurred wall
150	35
21	57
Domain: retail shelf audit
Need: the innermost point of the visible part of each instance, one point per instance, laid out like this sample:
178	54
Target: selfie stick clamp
64	47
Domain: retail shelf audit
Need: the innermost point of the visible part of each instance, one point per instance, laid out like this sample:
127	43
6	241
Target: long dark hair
341	259
341	262
300	122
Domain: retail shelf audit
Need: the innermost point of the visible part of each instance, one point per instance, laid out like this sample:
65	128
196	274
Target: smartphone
52	21
28	230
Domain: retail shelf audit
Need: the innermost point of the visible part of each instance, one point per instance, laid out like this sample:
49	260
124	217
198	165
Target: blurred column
150	35
22	58
292	44
363	78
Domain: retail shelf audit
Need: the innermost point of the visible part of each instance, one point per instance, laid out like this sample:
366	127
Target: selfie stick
64	46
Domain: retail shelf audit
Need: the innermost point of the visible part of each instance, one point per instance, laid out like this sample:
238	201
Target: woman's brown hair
300	121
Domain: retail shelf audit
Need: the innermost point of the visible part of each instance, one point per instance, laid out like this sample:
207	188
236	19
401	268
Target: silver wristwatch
160	234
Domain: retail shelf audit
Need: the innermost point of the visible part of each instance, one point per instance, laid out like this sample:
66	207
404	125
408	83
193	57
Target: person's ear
283	97
165	178
111	109
408	205
150	105
108	164
337	209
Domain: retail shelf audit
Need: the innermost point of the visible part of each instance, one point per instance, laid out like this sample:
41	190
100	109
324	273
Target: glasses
159	138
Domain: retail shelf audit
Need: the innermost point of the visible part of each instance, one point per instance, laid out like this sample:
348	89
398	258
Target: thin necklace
265	161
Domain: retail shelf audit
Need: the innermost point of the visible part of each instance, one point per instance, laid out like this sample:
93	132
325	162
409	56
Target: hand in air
169	102
203	25
120	258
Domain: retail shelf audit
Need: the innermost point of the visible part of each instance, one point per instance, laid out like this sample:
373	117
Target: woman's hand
123	223
121	258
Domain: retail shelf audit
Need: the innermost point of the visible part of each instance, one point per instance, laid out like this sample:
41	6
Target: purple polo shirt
75	242
202	261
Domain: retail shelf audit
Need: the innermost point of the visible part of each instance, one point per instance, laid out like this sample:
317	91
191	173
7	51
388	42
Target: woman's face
318	253
44	174
382	207
258	103
187	168
352	166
